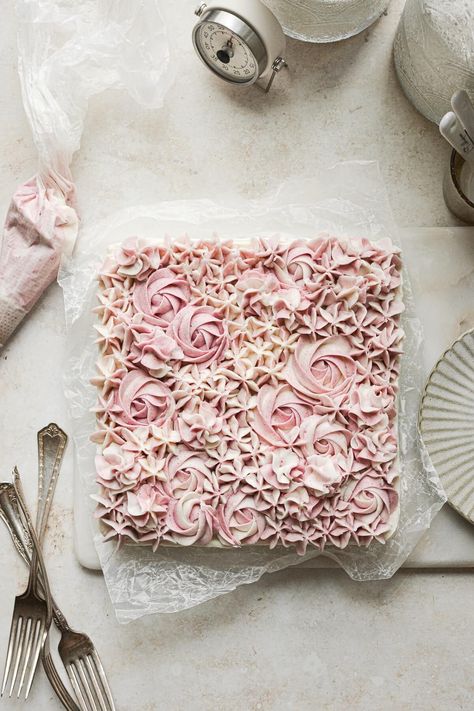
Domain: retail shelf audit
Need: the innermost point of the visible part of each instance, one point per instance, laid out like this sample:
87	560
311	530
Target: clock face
226	53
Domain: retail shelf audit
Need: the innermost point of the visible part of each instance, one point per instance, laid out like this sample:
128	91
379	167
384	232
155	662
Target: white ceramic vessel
434	53
326	20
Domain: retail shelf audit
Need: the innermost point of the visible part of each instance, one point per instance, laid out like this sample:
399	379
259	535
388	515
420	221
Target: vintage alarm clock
241	41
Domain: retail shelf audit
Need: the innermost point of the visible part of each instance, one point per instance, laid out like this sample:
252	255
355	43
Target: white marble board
441	266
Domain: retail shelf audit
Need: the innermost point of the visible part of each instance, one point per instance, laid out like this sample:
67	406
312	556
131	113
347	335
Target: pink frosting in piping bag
66	55
40	225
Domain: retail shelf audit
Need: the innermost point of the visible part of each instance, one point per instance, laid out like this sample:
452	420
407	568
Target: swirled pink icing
200	333
248	396
161	297
141	400
279	414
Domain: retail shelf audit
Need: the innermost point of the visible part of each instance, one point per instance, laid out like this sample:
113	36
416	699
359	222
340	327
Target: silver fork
11	515
78	654
32	614
52	443
76	649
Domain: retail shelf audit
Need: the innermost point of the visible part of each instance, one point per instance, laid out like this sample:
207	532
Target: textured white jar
434	53
326	20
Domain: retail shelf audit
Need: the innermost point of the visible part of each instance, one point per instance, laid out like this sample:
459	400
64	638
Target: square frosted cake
248	395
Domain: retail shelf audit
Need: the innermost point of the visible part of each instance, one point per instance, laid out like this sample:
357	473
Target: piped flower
141	400
161	297
322	370
153	349
201	428
279	415
200	334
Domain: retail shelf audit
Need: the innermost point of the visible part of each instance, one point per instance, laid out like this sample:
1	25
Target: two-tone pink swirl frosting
161	297
141	400
200	333
248	396
323	370
279	415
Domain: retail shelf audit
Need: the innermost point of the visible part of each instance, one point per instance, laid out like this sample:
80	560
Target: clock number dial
226	53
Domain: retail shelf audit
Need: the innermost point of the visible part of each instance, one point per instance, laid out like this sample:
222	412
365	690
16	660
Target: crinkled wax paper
349	200
67	53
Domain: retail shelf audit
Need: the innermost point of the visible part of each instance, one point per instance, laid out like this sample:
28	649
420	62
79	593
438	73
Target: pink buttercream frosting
141	400
323	369
153	349
161	297
248	396
279	414
200	333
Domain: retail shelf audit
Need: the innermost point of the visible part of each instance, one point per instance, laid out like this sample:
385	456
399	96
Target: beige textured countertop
301	640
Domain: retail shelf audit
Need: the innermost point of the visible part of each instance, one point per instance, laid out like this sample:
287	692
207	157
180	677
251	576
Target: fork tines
27	636
89	682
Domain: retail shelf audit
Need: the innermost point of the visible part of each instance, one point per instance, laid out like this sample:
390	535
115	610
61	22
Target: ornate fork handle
51	445
52	442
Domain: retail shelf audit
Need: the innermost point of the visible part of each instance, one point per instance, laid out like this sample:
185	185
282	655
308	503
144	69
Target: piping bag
67	52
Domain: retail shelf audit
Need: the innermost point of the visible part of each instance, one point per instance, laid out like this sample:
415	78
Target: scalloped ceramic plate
447	423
